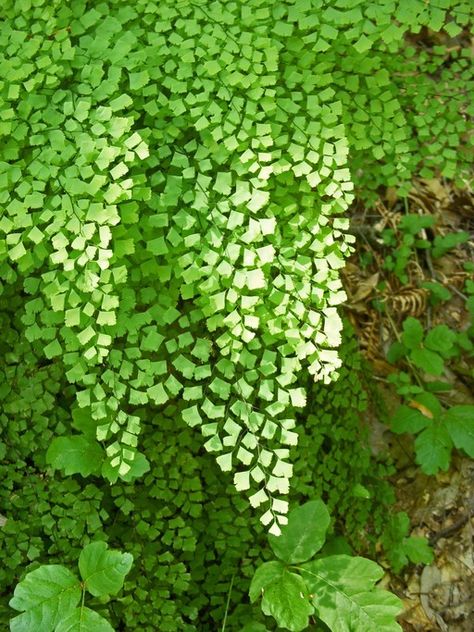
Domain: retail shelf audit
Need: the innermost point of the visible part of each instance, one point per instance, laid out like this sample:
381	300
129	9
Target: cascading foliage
172	186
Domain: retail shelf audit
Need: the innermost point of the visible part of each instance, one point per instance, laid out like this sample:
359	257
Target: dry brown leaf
365	288
438	190
423	409
409	301
382	367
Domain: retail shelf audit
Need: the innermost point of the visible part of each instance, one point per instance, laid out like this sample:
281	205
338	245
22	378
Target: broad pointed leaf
45	596
428	361
304	534
459	422
345	596
433	449
287	601
84	620
407	419
264	575
103	571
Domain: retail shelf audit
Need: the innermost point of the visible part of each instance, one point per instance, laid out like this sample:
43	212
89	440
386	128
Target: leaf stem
224	622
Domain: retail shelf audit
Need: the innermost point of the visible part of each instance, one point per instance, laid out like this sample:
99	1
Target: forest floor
391	277
441	508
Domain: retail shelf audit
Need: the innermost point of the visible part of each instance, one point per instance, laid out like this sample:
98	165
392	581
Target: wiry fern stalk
174	175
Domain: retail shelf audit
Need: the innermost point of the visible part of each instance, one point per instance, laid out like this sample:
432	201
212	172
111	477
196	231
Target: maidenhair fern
174	176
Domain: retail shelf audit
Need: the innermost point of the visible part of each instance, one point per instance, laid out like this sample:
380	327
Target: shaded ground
441	507
439	596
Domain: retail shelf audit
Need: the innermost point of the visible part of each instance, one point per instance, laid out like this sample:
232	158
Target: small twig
456	291
429	262
449	531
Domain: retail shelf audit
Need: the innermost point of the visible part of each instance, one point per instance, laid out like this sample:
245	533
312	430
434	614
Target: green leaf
84	620
359	491
336	545
304	534
396	351
417	550
76	454
158	394
363	44
407	419
253	626
53	350
412	333
441	338
286	600
103	571
45	596
345	596
470	305
412	223
430	402
428	361
139	79
433	449
264	575
121	102
459	422
444	243
139	466
401	550
452	29
438	292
